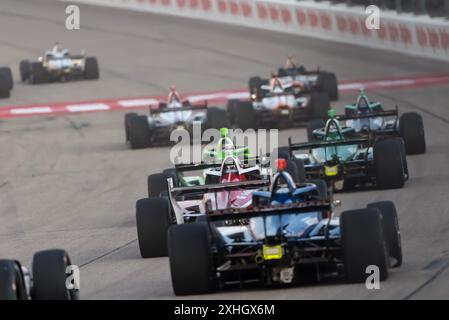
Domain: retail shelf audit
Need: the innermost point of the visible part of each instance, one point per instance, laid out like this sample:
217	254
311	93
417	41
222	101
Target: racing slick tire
4	91
390	226
12	286
91	70
284	153
363	244
245	116
313	125
401	144
49	276
157	183
411	129
128	116
327	82
388	164
319	104
293	171
38	74
191	261
24	68
301	169
231	108
321	187
217	118
174	174
254	84
139	132
152	221
7	74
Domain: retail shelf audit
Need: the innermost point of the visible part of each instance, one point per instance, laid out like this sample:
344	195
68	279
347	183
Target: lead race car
47	281
143	131
290	234
6	82
57	64
278	103
346	160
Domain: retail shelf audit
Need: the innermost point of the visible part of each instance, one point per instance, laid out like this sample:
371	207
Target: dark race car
290	234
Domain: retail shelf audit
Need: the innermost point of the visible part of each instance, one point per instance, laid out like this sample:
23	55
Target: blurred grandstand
432	8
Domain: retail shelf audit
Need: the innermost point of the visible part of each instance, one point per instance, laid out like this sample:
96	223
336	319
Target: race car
289	235
227	185
6	82
313	80
278	104
57	64
368	118
143	131
48	280
347	161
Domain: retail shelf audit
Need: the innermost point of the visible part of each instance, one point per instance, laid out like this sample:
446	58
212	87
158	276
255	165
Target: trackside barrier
416	35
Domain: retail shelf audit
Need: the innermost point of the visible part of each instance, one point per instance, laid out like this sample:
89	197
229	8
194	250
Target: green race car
345	160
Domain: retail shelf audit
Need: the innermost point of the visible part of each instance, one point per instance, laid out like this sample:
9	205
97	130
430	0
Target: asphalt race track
70	181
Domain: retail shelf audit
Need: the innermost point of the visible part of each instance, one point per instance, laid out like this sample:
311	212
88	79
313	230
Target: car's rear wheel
390	226
321	186
191	261
7	74
24	68
327	82
4	90
91	69
388	164
319	105
245	116
12	286
152	220
312	126
217	118
50	275
128	116
157	183
38	74
139	132
411	129
363	244
231	108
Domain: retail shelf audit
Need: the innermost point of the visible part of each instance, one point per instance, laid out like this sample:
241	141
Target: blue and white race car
289	235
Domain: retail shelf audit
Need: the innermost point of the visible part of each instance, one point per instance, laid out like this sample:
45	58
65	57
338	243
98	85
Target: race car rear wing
207	165
385	113
183	108
324	144
251	212
230	186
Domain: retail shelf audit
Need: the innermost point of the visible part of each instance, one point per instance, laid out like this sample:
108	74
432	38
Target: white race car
58	64
143	131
